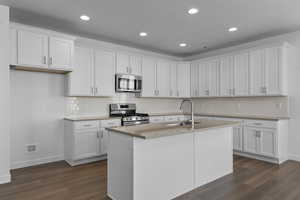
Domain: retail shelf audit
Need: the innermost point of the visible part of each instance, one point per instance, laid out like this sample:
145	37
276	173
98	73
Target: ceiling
166	21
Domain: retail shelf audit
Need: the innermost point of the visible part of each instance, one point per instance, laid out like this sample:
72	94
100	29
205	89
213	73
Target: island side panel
213	155
163	167
120	166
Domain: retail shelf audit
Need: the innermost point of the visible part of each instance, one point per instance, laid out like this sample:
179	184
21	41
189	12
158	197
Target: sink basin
183	123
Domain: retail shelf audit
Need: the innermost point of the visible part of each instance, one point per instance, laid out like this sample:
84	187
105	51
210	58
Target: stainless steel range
128	114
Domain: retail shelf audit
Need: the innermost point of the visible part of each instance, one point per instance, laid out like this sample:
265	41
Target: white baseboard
294	157
5	178
28	163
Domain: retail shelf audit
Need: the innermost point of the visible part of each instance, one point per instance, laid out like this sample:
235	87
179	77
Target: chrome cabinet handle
97	134
92	90
233	91
178	93
207	92
50	60
263	90
87	125
44	60
96	90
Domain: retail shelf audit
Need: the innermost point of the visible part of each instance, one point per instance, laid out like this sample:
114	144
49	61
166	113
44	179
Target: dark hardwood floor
251	180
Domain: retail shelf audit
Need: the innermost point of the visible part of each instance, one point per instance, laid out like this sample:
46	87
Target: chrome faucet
192	110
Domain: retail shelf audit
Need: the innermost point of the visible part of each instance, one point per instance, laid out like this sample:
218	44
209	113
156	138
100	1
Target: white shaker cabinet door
257	73
250	140
226	76
273	65
61	53
86	144
241	75
80	80
104	141
183	80
104	73
203	80
123	62
135	67
149	77
267	142
194	80
173	80
163	79
213	78
32	49
238	138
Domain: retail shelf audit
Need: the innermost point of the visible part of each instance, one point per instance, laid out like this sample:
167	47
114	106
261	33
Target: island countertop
148	131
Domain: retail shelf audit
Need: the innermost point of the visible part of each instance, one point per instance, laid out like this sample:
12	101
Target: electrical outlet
31	148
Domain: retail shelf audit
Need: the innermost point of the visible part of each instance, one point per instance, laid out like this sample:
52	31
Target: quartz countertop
148	131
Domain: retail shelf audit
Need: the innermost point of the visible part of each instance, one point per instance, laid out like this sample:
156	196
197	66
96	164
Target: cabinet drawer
110	123
261	123
85	125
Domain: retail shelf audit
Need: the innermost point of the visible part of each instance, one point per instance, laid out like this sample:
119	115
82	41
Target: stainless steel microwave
128	83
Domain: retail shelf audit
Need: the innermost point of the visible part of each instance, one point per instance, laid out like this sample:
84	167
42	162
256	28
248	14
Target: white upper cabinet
32	49
149	77
135	65
203	80
93	74
128	64
267	71
123	63
257	72
163	79
183	79
273	70
80	81
194	79
241	75
226	76
104	73
213	74
208	78
173	80
61	53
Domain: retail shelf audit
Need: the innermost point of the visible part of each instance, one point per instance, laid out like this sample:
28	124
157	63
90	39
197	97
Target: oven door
128	83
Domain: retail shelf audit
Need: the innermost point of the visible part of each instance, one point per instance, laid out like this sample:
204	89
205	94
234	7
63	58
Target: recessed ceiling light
143	34
232	29
183	44
85	18
193	11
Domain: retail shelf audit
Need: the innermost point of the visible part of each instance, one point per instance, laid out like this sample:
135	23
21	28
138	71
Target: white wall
294	82
37	110
4	100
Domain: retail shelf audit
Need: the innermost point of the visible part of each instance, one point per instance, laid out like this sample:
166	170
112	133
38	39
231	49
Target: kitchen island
163	161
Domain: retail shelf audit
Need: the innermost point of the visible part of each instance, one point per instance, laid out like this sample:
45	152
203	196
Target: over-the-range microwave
128	83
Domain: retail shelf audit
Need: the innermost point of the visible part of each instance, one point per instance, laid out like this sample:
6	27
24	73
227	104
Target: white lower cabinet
261	141
86	141
238	138
86	144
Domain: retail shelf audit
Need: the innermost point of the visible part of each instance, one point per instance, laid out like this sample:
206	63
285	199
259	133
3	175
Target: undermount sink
183	123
